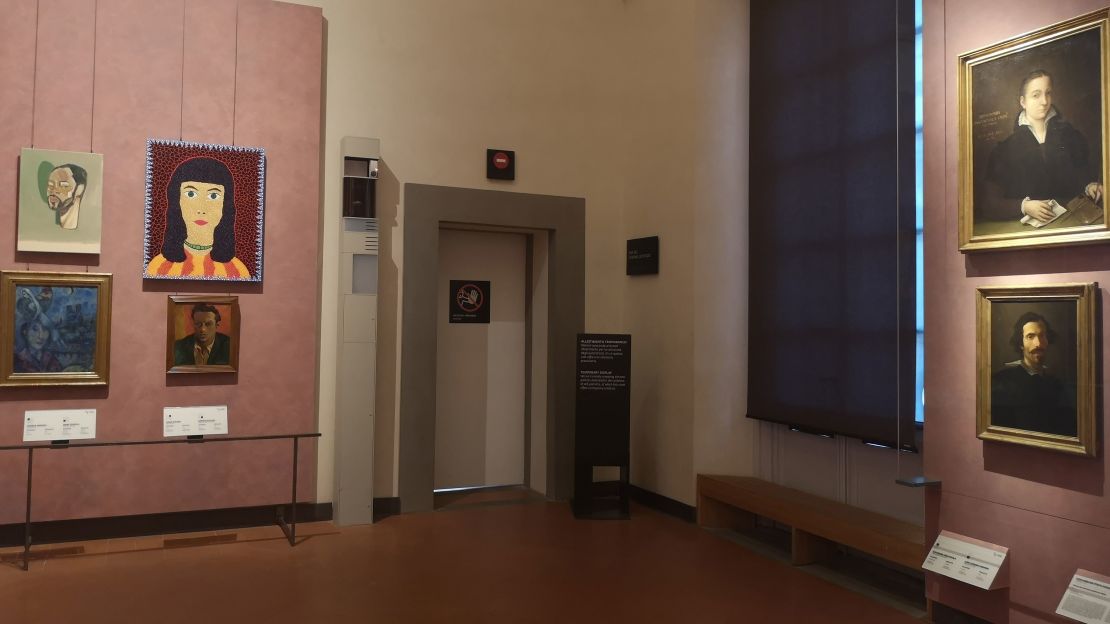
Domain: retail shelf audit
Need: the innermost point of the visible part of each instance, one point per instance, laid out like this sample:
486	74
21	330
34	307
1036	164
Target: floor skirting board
662	504
943	614
390	506
385	507
55	531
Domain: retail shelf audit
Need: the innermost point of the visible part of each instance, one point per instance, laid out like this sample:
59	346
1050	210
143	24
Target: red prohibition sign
501	160
469	298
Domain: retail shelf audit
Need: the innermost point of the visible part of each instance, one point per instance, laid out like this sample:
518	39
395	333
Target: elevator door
480	372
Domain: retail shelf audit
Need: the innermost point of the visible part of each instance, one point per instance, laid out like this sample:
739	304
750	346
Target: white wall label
186	421
1087	598
966	559
49	425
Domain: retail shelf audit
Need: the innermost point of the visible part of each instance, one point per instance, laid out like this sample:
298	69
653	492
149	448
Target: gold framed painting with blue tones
55	328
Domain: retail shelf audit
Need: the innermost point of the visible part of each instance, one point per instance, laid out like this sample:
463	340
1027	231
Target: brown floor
479	558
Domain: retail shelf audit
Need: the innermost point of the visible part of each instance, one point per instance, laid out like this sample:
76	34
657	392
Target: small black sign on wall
643	256
469	301
500	164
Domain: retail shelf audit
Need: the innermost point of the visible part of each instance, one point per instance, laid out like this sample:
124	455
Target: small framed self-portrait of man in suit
1033	138
1036	361
202	334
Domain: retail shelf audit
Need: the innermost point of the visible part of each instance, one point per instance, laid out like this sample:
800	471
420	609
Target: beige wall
723	443
640	108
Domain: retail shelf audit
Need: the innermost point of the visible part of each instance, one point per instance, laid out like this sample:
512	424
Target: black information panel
469	301
643	256
601	431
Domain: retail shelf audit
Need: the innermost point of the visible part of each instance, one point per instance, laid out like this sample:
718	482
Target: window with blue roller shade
834	223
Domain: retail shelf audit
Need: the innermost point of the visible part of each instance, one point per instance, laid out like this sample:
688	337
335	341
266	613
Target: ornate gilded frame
10	281
1083	232
1084	295
232	302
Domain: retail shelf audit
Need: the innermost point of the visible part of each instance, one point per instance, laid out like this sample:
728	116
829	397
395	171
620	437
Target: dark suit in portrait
184	351
1021	167
1032	401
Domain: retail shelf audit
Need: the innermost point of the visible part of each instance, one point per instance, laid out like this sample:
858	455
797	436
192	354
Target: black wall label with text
602	399
643	256
469	301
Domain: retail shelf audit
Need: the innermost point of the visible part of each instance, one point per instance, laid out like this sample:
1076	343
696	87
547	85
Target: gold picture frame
1046	397
1039	93
56	328
193	320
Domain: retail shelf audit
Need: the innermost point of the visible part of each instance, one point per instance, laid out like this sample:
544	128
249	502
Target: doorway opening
549	432
491	345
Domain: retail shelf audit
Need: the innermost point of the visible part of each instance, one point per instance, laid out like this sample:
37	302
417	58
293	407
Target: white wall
640	108
723	443
842	469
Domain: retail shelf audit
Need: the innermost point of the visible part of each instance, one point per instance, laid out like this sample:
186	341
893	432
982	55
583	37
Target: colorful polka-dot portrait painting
204	206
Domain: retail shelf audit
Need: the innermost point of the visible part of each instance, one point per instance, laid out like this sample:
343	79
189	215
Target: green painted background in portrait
38	229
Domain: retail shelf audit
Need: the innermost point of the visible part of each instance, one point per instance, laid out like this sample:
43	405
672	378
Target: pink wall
244	73
1050	509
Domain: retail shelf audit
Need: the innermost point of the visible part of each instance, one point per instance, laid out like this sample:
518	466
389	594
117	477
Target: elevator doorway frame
428	207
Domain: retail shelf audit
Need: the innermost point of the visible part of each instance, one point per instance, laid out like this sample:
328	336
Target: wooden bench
817	524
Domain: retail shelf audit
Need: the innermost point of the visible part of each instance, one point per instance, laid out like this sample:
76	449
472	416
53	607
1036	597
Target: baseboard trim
662	504
391	506
55	531
385	507
943	614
